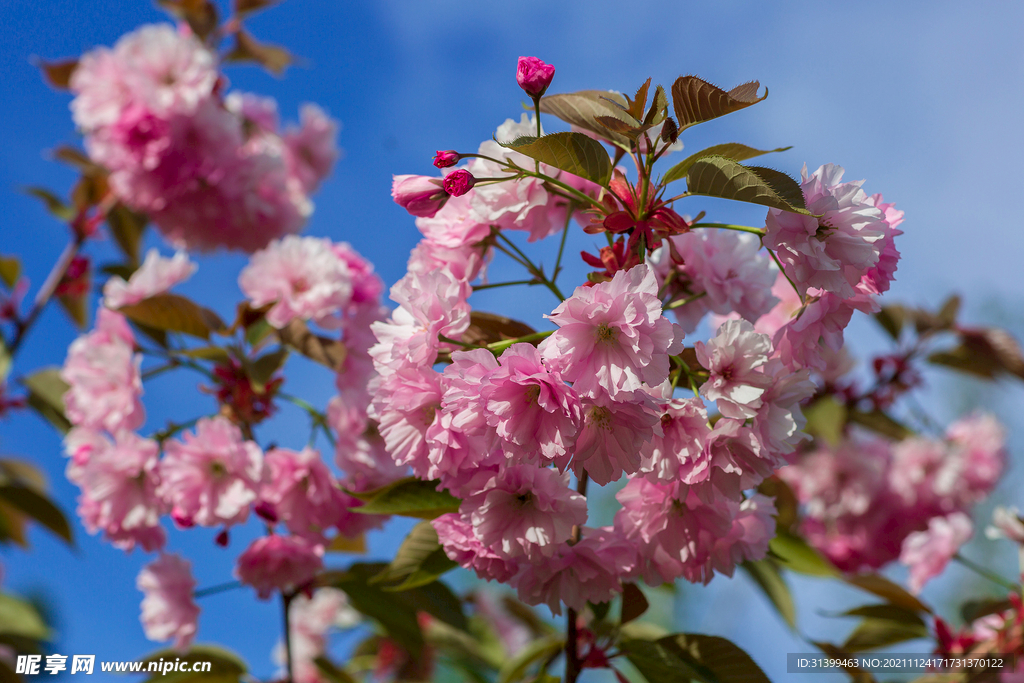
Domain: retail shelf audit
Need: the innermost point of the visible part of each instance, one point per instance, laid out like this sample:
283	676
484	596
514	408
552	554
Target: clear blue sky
921	99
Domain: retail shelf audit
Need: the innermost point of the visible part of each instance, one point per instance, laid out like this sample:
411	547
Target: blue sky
921	99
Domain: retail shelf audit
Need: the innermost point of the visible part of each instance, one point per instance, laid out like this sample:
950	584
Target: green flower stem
788	278
532	268
729	226
682	302
498	347
495	285
988	574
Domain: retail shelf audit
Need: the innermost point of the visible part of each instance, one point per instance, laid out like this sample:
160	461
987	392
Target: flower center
606	333
601	418
217	469
532	393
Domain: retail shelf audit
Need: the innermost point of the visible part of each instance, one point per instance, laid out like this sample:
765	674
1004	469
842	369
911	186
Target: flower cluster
215	474
869	501
210	170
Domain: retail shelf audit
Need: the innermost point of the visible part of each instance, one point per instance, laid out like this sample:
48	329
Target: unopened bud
446	158
534	76
458	183
419	195
222	538
266	511
669	131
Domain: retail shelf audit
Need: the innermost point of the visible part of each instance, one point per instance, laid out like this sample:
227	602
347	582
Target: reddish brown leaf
58	74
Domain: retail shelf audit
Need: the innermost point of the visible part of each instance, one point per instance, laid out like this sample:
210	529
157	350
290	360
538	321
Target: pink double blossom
211	477
928	552
156	275
279	563
302	491
169	609
733	359
612	337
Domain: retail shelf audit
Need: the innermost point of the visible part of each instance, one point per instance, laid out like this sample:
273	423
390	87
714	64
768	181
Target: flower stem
495	285
983	572
572	654
498	347
786	275
286	601
730	226
219	588
682	302
22	325
532	267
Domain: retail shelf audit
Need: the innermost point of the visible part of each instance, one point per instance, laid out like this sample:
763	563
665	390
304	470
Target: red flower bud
418	194
222	539
458	183
534	76
446	158
266	511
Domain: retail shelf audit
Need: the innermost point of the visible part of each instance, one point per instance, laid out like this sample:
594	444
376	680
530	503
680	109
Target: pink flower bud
222	538
418	194
446	158
458	183
534	76
266	511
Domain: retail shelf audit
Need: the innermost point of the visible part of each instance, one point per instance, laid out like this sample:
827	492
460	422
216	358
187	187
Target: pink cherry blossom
592	570
119	480
833	252
279	563
303	277
461	545
168	608
753	526
211	477
611	441
165	70
302	491
430	305
733	359
928	552
104	381
733	461
730	268
877	279
779	420
978	443
312	148
684	432
525	511
612	337
406	405
156	275
530	407
1006	523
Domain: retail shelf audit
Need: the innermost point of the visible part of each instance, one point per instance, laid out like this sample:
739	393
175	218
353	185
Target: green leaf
884	588
396	611
347	544
719	176
329	352
769	579
419	560
826	419
19	618
634	603
39	508
46	395
695	100
891	318
574	153
262	369
225	666
537	651
797	555
729	150
10	270
661	662
410	497
583	108
76	306
786	504
5	361
216	354
331	671
127	228
173	313
892	626
727	662
976	609
878	421
54	204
